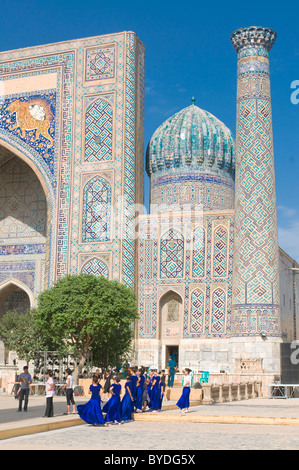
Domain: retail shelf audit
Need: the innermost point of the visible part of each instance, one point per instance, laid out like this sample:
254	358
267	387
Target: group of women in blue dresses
141	392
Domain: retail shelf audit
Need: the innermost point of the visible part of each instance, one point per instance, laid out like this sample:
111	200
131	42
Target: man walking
172	368
25	379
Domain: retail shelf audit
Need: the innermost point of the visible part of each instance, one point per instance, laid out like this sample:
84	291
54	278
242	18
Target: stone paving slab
254	411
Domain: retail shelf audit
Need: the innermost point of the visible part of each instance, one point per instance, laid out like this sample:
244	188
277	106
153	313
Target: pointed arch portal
25	219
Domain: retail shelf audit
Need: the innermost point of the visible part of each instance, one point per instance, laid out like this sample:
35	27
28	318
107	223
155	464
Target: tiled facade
71	160
70	112
220	272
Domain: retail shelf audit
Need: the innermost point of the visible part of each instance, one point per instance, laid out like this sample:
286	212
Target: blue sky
188	53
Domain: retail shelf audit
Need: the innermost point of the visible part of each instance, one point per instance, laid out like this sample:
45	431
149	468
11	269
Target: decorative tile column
255	308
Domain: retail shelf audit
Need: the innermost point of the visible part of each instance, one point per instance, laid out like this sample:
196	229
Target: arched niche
170	317
15	296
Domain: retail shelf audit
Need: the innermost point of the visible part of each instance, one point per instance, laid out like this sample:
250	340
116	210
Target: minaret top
253	36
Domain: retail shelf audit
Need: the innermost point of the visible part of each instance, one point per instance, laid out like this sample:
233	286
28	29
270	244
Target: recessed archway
170	312
25	215
15	297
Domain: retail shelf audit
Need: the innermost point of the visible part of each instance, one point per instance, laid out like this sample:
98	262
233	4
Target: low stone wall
196	394
229	378
226	392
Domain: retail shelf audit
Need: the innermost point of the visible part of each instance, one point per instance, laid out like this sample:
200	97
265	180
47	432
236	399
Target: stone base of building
229	355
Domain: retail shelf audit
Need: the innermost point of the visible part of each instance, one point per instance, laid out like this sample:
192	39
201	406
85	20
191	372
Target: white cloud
286	211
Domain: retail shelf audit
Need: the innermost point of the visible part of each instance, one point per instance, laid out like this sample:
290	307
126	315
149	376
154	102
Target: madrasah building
213	287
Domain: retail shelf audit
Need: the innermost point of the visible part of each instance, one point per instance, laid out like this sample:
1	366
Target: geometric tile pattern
97	104
23	206
207	296
98	131
172	255
218	316
220	252
213	192
199	252
96	267
100	63
23	271
131	164
255	288
96	210
197	311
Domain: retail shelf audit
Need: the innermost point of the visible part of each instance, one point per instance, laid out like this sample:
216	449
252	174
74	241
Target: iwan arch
25	221
214	290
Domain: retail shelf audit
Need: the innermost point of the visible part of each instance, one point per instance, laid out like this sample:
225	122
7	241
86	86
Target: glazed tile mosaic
72	169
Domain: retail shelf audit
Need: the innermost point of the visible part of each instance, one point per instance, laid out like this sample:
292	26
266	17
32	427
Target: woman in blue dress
126	403
149	386
139	393
183	403
161	391
91	411
156	392
112	407
134	379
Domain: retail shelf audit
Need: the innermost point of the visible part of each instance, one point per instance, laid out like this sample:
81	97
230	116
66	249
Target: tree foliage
84	313
18	332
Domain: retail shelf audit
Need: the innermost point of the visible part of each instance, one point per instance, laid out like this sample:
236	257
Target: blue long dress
156	393
184	401
91	411
112	407
149	392
139	393
134	379
161	391
126	403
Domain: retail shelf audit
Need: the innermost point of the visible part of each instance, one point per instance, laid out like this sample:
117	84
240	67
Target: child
183	402
91	411
112	407
126	403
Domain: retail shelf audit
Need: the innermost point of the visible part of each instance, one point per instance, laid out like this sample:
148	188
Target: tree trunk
78	369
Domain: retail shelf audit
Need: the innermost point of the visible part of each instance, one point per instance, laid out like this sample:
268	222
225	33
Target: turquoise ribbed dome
192	138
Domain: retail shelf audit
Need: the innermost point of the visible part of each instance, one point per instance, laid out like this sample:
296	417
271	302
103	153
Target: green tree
18	332
85	313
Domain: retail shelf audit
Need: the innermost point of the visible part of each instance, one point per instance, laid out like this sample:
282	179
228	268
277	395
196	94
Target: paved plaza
242	427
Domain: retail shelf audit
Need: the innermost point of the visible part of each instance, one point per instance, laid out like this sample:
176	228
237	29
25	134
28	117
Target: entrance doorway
173	352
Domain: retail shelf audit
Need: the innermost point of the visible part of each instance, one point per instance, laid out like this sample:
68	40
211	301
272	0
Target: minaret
255	309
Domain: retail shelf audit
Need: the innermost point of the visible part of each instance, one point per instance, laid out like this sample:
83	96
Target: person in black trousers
50	392
69	388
